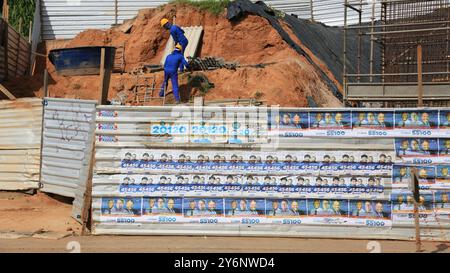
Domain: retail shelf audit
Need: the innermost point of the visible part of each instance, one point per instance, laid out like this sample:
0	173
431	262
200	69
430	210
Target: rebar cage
387	50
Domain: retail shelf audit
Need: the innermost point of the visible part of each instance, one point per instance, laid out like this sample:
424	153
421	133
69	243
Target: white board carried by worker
193	34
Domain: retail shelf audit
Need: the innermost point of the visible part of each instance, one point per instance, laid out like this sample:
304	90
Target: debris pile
210	63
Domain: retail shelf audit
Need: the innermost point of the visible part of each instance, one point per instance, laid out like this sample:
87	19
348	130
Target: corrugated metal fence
67	148
174	170
235	170
20	137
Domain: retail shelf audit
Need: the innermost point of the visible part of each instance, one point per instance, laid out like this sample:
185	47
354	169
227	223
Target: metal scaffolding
402	27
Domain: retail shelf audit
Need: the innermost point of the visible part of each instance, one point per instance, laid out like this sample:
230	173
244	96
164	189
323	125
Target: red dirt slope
252	40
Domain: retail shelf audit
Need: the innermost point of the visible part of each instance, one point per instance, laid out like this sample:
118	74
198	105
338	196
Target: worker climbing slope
176	32
173	62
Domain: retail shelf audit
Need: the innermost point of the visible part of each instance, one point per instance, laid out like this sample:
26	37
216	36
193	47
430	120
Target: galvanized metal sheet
303	231
331	12
62	19
193	34
142	126
20	136
67	147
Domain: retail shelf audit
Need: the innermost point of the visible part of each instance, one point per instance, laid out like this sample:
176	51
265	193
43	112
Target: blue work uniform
178	36
173	62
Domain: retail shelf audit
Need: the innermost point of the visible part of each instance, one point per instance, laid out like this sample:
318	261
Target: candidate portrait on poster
290	121
328	207
330	120
370	209
244	207
416	147
118	206
203	207
285	207
161	205
410	119
379	120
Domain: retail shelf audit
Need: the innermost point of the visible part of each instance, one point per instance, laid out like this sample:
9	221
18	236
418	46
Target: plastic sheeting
239	8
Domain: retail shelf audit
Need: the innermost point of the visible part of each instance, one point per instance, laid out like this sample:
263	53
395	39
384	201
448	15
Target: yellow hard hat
164	21
180	48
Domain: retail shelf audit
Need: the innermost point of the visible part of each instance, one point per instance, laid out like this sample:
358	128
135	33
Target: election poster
218	185
145	158
403	207
444	119
371	213
442	203
208	132
196	208
376	120
271	164
248	211
443	176
418	150
162	206
327	212
401	177
121	207
170	131
444	148
360	123
416	119
330	120
417	123
327	207
245	210
286	208
285	121
442	206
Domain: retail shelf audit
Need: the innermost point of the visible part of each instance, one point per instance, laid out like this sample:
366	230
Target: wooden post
105	77
414	184
18	47
116	12
87	200
30	31
6	92
19	31
45	83
44	104
6	44
419	76
5	10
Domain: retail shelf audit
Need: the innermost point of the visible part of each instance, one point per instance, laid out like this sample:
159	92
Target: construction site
306	126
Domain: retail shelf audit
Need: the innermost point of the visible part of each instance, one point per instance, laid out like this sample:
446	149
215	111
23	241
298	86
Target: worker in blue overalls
173	62
176	32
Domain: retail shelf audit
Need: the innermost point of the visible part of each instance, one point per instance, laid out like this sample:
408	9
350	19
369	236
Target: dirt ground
39	215
190	244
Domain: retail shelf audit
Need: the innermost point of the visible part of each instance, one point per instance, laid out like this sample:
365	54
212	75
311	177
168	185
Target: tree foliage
21	9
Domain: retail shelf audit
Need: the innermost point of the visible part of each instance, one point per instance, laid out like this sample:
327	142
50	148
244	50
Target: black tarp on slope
323	41
326	43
